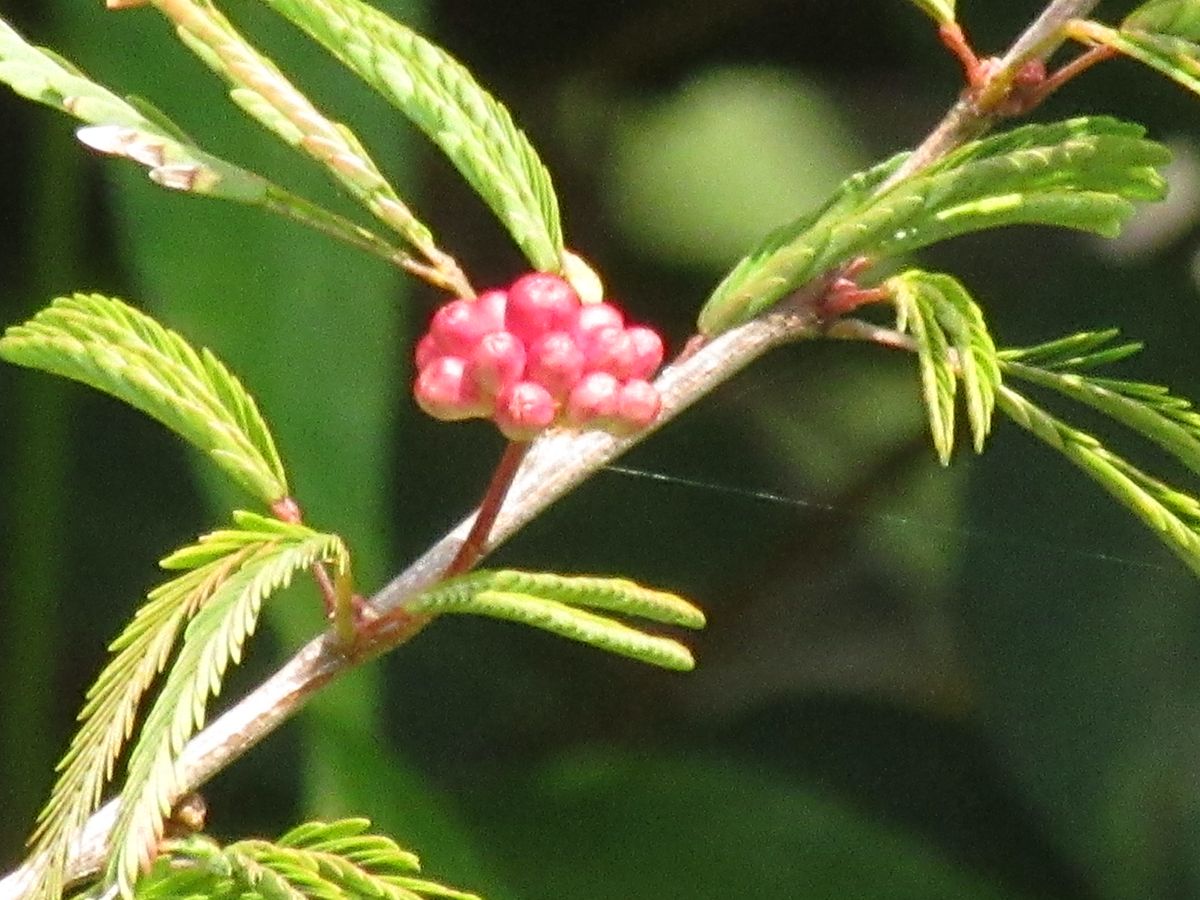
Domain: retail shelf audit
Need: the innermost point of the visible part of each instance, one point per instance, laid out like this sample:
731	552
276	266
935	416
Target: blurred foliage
973	683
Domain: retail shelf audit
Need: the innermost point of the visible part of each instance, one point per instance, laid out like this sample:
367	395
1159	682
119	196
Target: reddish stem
493	499
1074	69
288	510
399	625
956	41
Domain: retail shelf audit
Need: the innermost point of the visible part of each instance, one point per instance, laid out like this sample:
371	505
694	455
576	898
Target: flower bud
491	306
496	363
427	351
555	362
458	326
594	317
638	404
443	391
648	351
593	400
538	303
611	350
524	410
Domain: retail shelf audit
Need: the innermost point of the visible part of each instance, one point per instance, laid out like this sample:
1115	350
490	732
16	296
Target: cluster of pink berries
535	356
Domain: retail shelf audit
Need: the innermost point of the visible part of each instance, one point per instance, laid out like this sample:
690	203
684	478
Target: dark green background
973	683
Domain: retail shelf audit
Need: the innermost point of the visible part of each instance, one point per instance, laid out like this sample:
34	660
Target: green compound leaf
1149	409
139	654
1082	174
120	126
213	640
1163	36
1172	17
264	93
1079	352
953	343
942	11
1172	515
334	861
441	97
553	603
111	346
131	128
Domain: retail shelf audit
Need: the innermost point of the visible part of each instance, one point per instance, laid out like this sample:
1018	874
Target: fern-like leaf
139	654
1081	174
440	96
324	860
214	638
120	126
115	348
264	93
551	602
1164	35
1171	514
107	718
1149	409
133	129
941	317
1077	352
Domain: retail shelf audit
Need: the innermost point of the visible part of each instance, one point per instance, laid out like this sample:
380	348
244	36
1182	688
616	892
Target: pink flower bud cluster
535	356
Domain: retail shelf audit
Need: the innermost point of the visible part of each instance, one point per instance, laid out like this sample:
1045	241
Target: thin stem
493	499
976	111
556	463
1074	69
956	42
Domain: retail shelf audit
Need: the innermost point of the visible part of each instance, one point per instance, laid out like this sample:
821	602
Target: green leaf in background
132	129
640	825
112	347
939	314
1164	35
214	638
440	96
551	602
1082	174
942	11
679	164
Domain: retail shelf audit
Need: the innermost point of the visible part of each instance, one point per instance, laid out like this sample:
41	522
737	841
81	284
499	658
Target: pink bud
593	400
524	411
638	404
496	363
594	317
648	347
443	391
427	351
611	350
491	305
458	326
555	362
538	303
